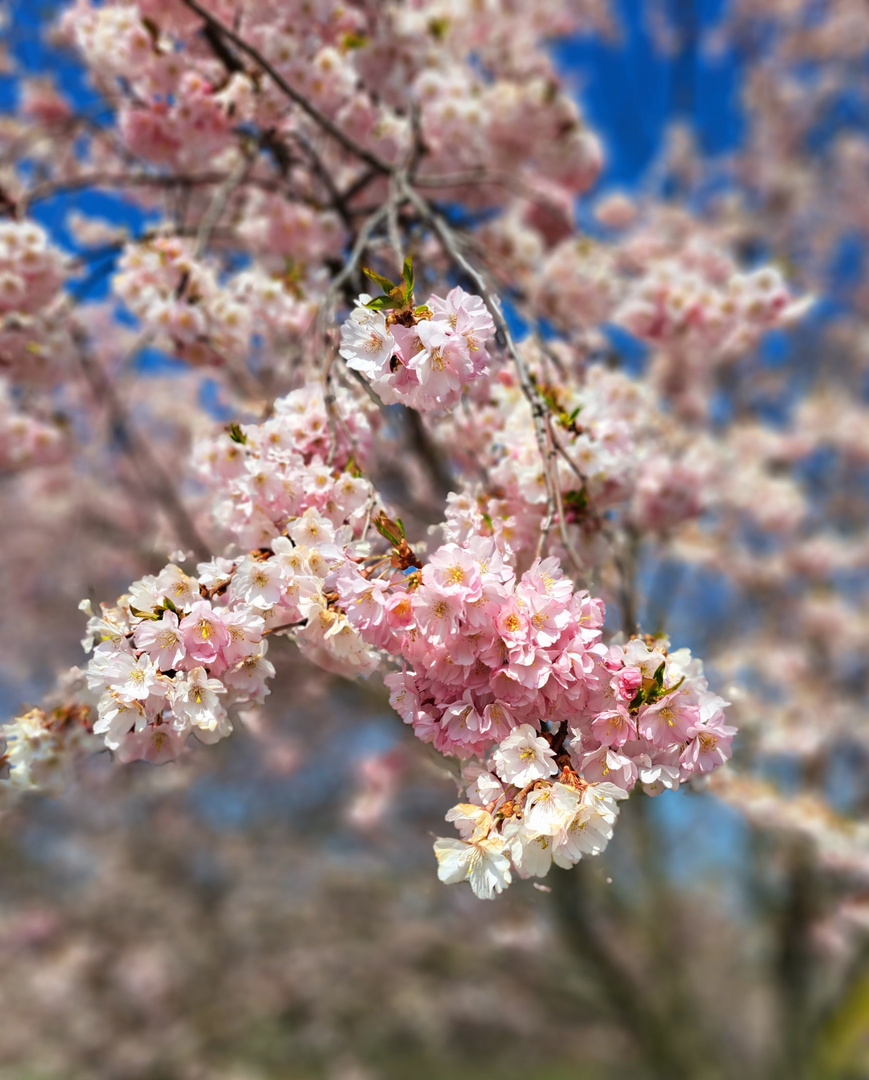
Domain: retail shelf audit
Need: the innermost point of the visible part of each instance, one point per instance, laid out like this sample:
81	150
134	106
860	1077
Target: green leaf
169	606
549	398
400	525
407	274
574	414
383	282
576	500
387	529
379	303
236	434
638	699
145	614
658	690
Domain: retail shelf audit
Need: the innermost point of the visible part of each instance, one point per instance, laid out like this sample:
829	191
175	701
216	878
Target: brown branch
581	930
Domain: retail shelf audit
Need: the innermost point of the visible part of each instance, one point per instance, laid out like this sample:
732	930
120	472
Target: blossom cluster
701	294
558	822
41	746
426	359
183	107
178	118
263	475
511	675
31	270
670	281
34	339
180	649
507	672
181	302
26	440
549	789
618	453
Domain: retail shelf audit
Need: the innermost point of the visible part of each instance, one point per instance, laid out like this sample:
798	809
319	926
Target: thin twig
573	554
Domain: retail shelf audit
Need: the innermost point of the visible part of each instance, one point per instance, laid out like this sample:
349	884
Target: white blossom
524	756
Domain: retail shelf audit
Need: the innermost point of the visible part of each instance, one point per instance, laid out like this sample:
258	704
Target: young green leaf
380	303
383	282
388	529
153	615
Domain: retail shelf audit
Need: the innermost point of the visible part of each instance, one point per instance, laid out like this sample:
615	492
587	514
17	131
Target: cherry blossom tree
352	380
